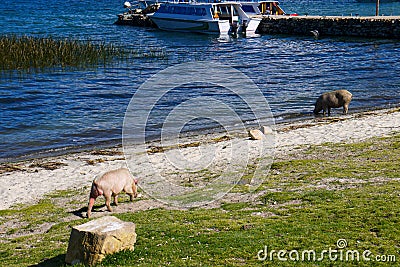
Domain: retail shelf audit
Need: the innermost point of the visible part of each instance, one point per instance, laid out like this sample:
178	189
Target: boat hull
253	25
197	26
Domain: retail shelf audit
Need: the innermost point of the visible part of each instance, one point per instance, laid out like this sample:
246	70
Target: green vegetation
309	202
36	54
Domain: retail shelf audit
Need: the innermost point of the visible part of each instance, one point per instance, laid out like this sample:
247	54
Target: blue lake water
60	110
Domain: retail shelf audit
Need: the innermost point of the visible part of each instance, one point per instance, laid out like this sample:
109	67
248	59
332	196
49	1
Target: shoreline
117	143
30	180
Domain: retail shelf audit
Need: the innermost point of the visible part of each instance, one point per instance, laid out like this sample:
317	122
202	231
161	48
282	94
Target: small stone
256	135
89	243
266	130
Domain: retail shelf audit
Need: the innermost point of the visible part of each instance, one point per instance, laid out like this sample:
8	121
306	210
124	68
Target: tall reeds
35	54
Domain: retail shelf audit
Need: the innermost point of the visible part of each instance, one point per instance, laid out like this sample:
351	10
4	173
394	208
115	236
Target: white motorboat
213	18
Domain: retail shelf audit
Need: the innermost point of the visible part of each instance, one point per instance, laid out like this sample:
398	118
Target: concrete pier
355	26
370	27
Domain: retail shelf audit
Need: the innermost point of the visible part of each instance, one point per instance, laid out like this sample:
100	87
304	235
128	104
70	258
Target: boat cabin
223	10
228	11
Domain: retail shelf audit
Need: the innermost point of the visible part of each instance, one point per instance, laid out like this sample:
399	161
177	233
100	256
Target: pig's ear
136	181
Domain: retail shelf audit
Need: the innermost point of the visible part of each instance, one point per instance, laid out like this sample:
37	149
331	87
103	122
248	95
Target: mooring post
377	8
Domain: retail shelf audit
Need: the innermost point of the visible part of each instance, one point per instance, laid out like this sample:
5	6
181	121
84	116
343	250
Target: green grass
308	202
365	218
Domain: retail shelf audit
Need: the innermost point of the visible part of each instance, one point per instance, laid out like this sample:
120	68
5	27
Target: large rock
91	242
256	135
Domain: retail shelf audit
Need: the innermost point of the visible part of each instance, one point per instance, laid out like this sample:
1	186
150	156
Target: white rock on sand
31	184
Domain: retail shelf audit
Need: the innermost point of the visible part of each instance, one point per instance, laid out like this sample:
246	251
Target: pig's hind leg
115	199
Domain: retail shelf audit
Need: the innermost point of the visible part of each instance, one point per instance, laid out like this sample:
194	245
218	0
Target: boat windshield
182	10
225	10
249	9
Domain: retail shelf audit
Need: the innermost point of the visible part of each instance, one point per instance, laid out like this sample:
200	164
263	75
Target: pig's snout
94	193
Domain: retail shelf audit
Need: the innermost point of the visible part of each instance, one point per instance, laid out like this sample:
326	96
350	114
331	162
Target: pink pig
111	184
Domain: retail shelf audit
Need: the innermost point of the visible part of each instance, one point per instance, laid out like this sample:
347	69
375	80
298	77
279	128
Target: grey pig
334	99
111	184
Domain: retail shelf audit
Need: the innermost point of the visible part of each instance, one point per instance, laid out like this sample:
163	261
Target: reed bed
36	54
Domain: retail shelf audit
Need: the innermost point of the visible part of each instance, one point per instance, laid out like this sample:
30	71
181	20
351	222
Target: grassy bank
310	201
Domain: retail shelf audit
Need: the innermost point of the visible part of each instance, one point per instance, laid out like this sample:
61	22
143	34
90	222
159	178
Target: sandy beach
29	181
